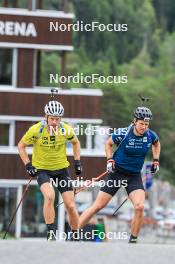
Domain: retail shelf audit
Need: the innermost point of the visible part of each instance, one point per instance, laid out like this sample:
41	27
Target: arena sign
31	29
10	28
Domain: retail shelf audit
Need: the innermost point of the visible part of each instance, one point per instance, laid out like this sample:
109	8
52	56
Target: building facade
24	37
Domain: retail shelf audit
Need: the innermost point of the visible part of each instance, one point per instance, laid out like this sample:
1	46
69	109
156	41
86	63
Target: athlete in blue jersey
125	164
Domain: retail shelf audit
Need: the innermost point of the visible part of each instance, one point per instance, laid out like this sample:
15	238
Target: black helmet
143	113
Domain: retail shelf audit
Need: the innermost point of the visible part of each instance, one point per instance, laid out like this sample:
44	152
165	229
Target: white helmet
54	108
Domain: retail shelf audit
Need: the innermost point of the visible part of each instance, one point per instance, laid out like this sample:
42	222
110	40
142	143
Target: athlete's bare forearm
156	150
108	148
76	148
22	152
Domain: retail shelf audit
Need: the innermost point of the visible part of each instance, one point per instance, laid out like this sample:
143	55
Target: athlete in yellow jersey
49	161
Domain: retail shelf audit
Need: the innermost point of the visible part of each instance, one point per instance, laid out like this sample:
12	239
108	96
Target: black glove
31	169
155	166
77	167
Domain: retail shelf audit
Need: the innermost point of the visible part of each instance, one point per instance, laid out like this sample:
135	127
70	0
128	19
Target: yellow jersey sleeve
32	134
68	132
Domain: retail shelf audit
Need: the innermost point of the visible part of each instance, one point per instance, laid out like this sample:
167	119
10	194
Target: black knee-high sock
50	226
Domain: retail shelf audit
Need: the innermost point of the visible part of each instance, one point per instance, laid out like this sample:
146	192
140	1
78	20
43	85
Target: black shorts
121	178
58	178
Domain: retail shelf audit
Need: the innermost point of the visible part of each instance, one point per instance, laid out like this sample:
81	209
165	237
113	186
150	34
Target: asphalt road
39	251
